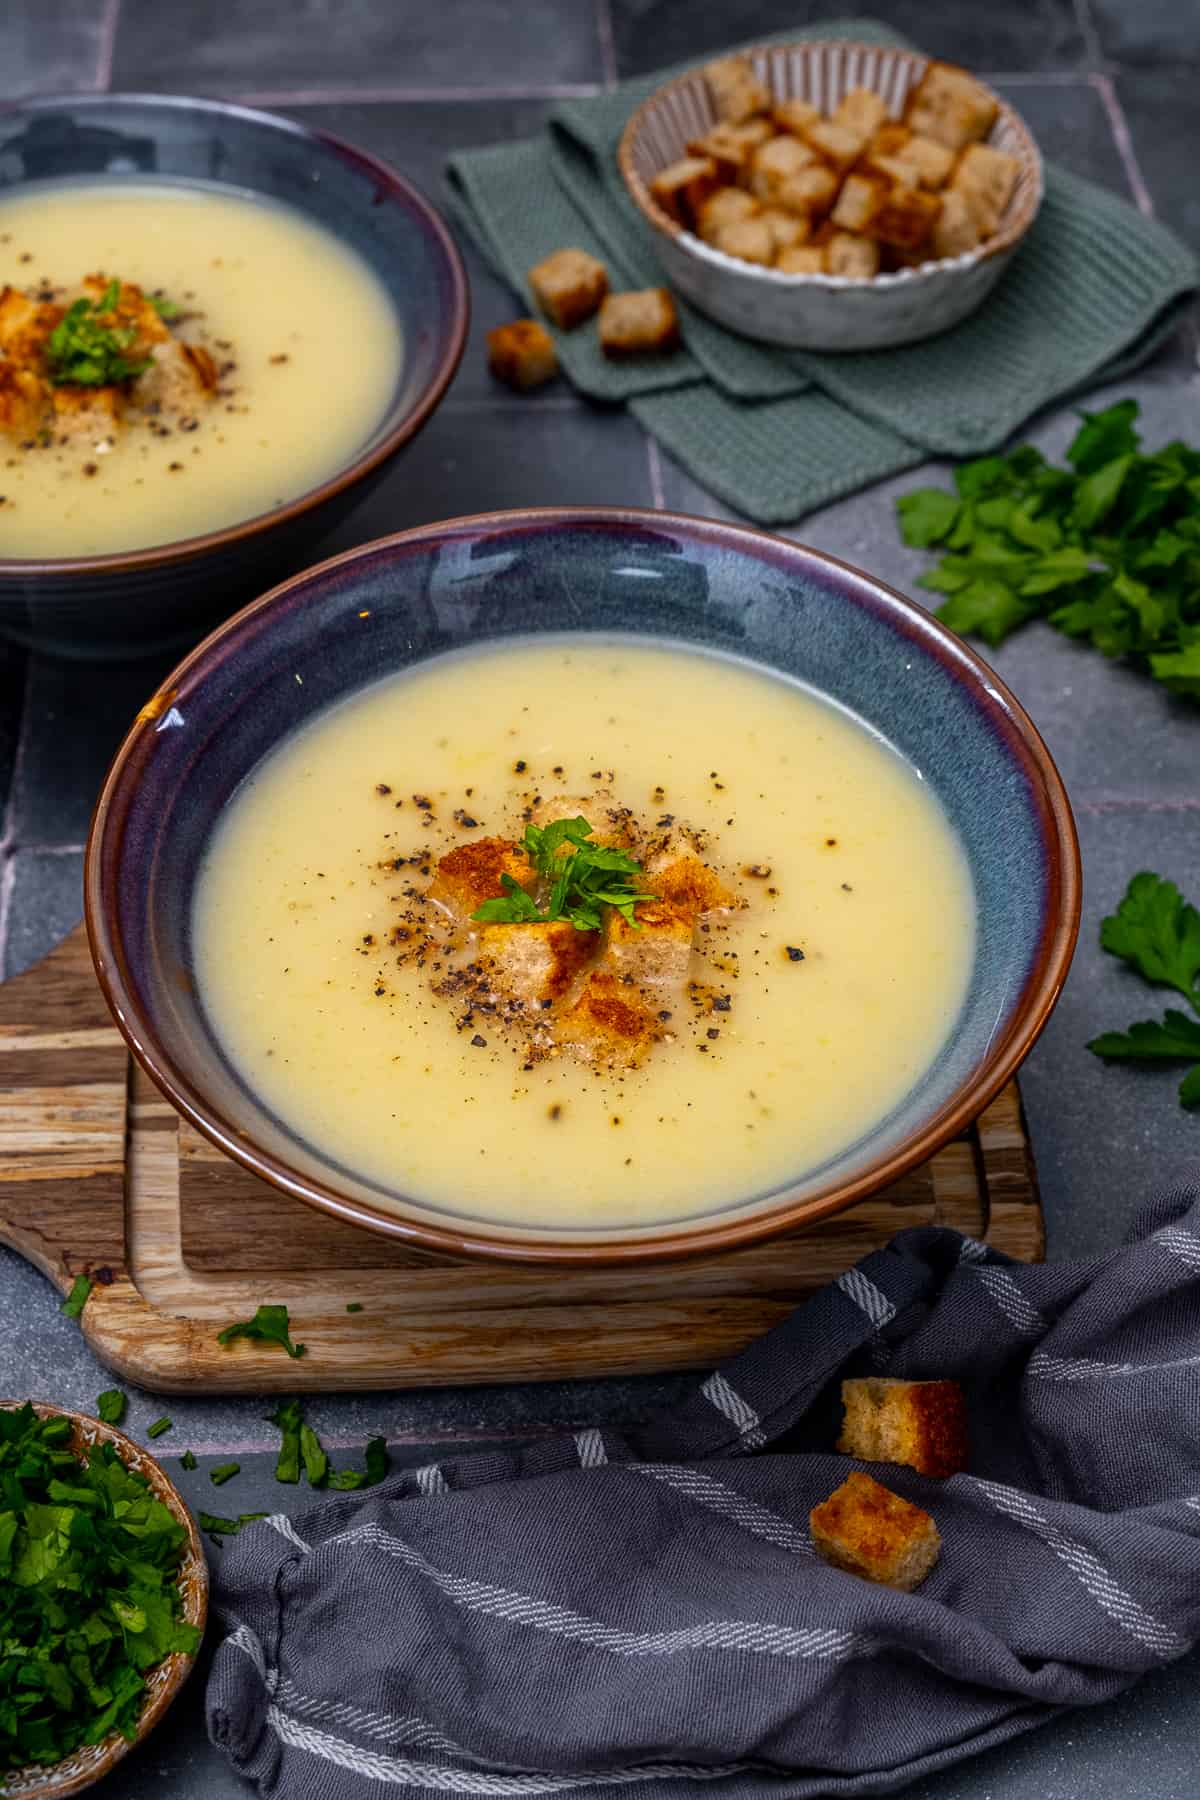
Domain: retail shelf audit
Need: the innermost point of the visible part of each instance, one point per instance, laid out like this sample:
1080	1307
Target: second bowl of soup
582	885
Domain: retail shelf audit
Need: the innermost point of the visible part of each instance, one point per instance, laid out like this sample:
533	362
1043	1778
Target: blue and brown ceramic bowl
137	602
327	633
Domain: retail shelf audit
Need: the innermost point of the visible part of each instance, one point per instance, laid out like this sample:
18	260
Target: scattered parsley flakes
270	1325
188	1460
354	1306
316	1463
219	1528
287	1417
301	1443
583	879
111	1406
224	1472
1157	932
77	1299
159	1426
1107	550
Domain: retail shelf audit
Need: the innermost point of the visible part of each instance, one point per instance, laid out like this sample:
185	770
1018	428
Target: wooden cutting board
99	1175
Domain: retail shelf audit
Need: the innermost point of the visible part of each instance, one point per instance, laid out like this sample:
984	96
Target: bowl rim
112	1748
937	268
453	323
694	1237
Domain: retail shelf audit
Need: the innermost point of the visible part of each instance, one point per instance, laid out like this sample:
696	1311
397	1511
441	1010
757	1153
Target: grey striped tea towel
643	1611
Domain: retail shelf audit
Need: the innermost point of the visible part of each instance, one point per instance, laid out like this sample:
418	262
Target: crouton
640	323
932	160
775	163
860	199
801	259
906	218
568	285
522	354
867	1530
728	206
736	92
950	106
608	1024
180	377
535	962
750	239
682	189
471	874
986	178
920	1423
892	169
861	111
835	144
25	327
795	115
685	882
652	956
86	415
24	400
956	229
891	138
728	151
848	254
811	192
786	228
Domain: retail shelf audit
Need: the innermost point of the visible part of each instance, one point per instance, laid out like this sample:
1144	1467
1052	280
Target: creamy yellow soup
833	844
304	334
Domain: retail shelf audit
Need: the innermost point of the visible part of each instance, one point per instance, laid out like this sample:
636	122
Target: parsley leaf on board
1157	932
583	877
83	351
1107	549
269	1325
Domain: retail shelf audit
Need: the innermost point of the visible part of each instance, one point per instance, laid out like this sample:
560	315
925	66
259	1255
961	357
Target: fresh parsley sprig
1157	932
83	351
584	878
1107	550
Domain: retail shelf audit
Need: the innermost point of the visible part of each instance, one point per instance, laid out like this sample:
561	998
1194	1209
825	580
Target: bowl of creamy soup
217	328
576	885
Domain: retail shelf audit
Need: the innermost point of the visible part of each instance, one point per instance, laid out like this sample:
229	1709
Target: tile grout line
1093	48
654	463
109	18
1037	77
398	96
608	42
1119	126
1117	803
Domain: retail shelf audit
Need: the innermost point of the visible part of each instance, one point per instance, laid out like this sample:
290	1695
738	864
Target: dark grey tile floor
1109	89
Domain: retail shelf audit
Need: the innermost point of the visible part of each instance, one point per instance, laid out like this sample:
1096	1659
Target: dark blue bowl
140	601
328	632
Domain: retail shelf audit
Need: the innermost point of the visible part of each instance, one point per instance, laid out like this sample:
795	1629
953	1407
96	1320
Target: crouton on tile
522	354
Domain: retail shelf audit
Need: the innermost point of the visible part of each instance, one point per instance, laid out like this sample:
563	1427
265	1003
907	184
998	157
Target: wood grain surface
98	1174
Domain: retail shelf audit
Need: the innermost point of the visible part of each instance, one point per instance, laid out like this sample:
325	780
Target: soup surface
305	352
816	999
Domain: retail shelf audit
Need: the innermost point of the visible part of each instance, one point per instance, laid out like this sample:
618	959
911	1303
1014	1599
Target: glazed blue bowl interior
422	594
130	603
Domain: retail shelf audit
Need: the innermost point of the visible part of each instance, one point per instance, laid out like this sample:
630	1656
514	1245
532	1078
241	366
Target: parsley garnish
300	1441
224	1472
583	879
84	352
166	309
89	1597
158	1427
219	1528
1157	932
188	1460
1107	549
288	1419
77	1299
270	1325
111	1406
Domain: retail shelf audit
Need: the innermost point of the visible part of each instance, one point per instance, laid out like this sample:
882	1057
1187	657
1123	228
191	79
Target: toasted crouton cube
654	955
859	201
687	884
24	399
867	1530
951	106
987	178
471	873
905	219
535	962
920	1423
891	138
750	239
861	110
729	151
568	285
727	206
776	162
848	254
609	1024
795	115
737	93
801	259
811	192
682	189
956	229
179	378
893	169
522	354
932	160
640	323
787	229
835	144
86	415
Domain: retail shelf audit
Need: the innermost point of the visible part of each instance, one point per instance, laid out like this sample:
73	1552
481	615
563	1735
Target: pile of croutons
780	185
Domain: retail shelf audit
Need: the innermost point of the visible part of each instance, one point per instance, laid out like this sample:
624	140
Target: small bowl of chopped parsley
103	1597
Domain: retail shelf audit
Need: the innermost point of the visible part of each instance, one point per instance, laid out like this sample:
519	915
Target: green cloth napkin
1093	291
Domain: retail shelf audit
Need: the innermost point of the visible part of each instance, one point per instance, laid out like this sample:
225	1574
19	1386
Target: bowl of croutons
832	195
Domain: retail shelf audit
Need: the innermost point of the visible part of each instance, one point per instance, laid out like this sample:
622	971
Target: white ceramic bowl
820	312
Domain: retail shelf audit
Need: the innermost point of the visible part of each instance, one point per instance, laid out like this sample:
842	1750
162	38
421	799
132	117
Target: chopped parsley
224	1472
111	1406
158	1427
77	1299
166	309
300	1443
270	1325
1157	932
82	351
584	878
219	1528
1108	549
89	1595
188	1460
